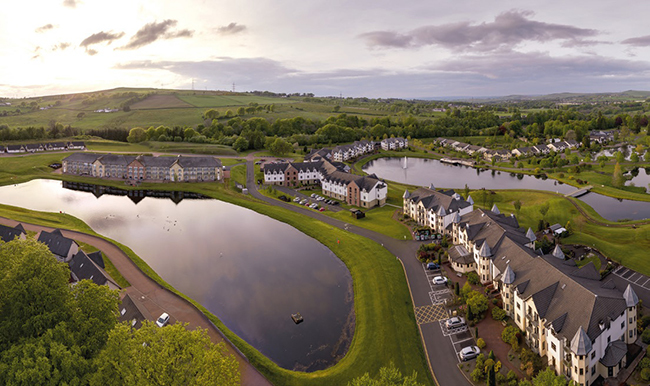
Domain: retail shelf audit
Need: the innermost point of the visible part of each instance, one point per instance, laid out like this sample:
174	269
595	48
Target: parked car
284	198
303	201
297	199
313	195
439	280
321	209
432	266
335	203
455	322
469	352
162	320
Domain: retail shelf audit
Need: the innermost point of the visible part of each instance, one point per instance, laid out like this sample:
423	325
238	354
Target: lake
248	269
423	172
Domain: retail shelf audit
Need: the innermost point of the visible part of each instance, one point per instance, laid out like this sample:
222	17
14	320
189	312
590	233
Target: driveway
441	350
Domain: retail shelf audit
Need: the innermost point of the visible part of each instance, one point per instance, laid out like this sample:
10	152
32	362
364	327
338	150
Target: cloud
154	31
71	3
101	37
508	29
502	73
641	41
37	51
91	52
44	28
61	46
231	29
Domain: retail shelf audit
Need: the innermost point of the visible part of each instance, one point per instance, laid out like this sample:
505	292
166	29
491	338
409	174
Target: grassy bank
385	325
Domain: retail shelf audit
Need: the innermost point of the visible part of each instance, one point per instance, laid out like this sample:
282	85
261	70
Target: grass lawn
385	325
594	259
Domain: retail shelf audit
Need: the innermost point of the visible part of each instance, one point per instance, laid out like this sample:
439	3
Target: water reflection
250	270
423	171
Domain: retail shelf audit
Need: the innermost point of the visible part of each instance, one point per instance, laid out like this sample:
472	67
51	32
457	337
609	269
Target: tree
491	378
211	114
549	378
634	157
241	144
280	147
477	303
240	111
617	178
543	210
388	376
136	135
164	356
498	314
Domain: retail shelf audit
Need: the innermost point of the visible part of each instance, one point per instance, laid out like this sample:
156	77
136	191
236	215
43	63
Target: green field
206	101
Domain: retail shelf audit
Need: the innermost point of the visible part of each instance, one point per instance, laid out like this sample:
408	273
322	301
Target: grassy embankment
385	325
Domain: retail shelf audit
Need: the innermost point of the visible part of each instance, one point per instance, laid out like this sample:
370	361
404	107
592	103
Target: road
441	353
177	307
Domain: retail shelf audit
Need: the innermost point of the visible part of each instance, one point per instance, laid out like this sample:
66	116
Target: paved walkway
157	297
441	350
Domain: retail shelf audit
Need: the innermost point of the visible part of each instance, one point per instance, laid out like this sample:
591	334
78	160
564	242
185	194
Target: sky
380	48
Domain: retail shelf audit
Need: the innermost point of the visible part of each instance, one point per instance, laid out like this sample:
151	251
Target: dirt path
153	293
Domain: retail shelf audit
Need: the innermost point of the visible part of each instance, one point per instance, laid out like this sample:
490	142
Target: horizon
366	49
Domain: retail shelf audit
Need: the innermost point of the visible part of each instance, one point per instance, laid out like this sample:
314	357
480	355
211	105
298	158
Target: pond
248	269
640	178
423	172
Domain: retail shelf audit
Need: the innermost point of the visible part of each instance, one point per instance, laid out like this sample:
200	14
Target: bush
498	314
477	375
480	343
645	337
473	278
645	363
509	333
645	374
645	321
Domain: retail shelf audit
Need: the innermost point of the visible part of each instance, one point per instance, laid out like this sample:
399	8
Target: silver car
455	322
469	352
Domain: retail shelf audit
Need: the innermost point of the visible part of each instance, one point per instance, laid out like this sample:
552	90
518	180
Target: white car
455	322
162	320
439	280
469	352
297	199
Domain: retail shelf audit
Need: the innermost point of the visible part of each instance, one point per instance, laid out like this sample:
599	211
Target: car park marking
428	314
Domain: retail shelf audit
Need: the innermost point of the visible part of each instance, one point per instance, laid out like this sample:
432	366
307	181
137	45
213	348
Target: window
593	370
582	371
518	306
609	339
593	355
631	333
123	311
623	324
553	347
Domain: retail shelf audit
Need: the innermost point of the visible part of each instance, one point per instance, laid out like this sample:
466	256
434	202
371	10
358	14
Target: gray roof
406	194
132	309
8	233
495	209
82	157
614	353
436	200
508	276
581	344
56	242
198	162
97	258
460	255
470	200
630	297
116	159
84	268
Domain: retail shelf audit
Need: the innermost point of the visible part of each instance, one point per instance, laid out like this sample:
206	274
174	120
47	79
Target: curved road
179	308
440	352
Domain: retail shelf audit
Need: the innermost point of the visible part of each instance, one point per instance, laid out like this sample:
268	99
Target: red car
321	210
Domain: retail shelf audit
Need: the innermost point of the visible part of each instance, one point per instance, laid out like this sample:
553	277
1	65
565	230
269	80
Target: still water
423	172
249	270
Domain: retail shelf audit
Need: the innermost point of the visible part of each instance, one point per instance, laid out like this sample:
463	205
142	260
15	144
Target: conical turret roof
557	252
406	194
470	200
581	344
485	250
495	209
531	235
508	276
630	297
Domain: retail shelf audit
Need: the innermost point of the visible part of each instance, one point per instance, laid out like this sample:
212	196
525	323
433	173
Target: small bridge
579	192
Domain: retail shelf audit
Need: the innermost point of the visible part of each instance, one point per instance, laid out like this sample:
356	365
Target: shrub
645	337
509	333
645	374
500	378
645	363
645	321
480	343
498	314
477	375
473	278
